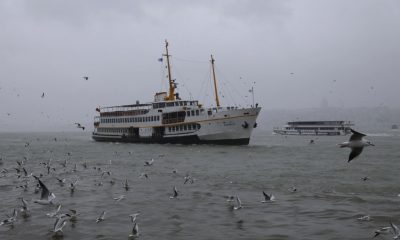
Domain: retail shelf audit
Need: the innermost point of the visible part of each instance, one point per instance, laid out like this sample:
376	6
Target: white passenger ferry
170	119
315	128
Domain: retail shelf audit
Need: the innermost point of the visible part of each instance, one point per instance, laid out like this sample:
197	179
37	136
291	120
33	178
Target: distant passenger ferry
170	119
315	128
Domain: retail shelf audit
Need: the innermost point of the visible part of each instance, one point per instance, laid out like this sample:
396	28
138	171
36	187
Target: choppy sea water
330	196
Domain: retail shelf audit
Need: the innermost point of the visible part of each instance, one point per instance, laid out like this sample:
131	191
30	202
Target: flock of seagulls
357	143
47	197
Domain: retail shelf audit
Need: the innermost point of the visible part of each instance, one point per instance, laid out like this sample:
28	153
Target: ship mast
215	81
171	95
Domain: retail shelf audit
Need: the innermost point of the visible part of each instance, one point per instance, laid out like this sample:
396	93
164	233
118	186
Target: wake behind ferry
170	119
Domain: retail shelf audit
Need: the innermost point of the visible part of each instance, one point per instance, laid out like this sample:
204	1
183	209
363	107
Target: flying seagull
135	230
188	178
239	204
42	95
61	181
144	175
46	197
101	217
73	185
356	143
85	77
365	178
382	230
105	172
73	214
10	220
55	212
268	197
60	223
134	216
395	231
126	185
364	218
149	163
24	209
119	198
175	193
78	125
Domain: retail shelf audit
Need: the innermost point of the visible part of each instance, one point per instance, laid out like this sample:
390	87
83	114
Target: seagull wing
135	230
354	153
356	136
24	203
395	229
266	196
58	225
45	191
239	202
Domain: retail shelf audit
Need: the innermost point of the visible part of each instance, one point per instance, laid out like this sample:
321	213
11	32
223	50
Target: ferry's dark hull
174	140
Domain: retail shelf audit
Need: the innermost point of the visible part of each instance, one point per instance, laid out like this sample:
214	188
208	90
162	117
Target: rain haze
296	55
183	166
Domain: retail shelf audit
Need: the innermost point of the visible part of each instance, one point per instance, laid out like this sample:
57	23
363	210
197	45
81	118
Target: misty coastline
370	119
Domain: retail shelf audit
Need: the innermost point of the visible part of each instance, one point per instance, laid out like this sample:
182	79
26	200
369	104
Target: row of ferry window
314	128
193	113
113	130
184	127
172	104
132	119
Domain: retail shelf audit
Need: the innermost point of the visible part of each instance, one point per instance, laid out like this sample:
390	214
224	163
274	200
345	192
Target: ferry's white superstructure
315	128
169	119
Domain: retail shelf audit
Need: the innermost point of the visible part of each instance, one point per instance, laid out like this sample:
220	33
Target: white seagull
149	163
126	185
364	218
356	143
396	232
382	230
239	204
143	175
10	220
189	179
73	185
46	197
175	193
134	216
135	231
101	217
24	209
268	197
60	223
55	212
61	181
119	198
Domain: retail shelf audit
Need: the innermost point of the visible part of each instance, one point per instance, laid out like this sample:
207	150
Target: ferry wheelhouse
315	128
170	119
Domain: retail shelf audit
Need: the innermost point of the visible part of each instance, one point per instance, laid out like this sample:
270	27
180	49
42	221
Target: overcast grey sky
300	54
